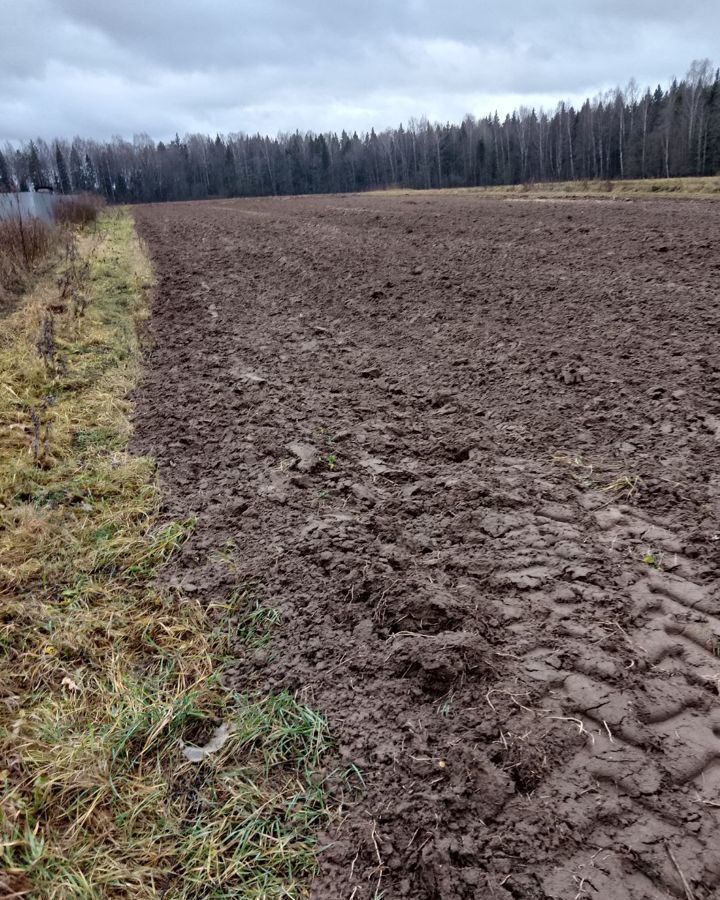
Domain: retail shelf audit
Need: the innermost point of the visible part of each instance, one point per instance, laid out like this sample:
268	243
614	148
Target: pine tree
230	172
76	170
62	171
34	167
89	177
5	181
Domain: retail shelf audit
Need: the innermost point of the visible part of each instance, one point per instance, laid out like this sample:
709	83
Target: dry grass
639	188
24	243
80	209
104	678
607	476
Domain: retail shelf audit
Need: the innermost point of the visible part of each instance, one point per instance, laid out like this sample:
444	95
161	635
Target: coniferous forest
625	133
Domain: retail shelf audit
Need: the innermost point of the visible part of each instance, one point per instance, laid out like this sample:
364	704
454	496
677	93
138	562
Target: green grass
255	627
105	678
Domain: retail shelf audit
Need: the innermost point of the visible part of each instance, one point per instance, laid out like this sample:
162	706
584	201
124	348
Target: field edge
129	767
685	188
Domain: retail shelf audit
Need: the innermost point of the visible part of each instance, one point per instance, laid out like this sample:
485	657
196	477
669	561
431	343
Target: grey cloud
97	69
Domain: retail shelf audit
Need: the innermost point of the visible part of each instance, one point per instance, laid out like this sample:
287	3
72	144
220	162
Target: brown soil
503	588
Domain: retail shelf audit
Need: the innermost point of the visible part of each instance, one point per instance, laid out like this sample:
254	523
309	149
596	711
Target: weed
24	243
93	438
651	559
256	625
40	444
26	239
46	346
80	209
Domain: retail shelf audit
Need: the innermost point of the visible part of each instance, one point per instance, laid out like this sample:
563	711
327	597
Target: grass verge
705	188
105	680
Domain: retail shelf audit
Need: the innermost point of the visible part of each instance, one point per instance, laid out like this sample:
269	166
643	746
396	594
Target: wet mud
468	448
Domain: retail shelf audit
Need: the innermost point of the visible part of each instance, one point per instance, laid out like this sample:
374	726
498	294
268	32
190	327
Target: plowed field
469	449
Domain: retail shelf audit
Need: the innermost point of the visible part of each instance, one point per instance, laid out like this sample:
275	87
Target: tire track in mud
647	769
534	708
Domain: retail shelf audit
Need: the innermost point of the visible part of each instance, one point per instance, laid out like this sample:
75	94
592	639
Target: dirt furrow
467	448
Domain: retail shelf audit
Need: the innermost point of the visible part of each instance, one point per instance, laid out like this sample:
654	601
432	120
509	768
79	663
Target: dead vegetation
707	187
28	243
106	680
24	243
80	209
607	476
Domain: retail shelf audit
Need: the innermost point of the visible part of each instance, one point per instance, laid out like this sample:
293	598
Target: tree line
630	133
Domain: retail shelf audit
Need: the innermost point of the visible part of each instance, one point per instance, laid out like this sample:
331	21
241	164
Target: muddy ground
469	448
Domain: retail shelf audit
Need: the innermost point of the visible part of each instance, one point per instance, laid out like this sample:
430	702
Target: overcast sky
97	68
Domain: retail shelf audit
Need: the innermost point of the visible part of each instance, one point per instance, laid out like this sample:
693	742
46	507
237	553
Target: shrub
24	241
80	209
